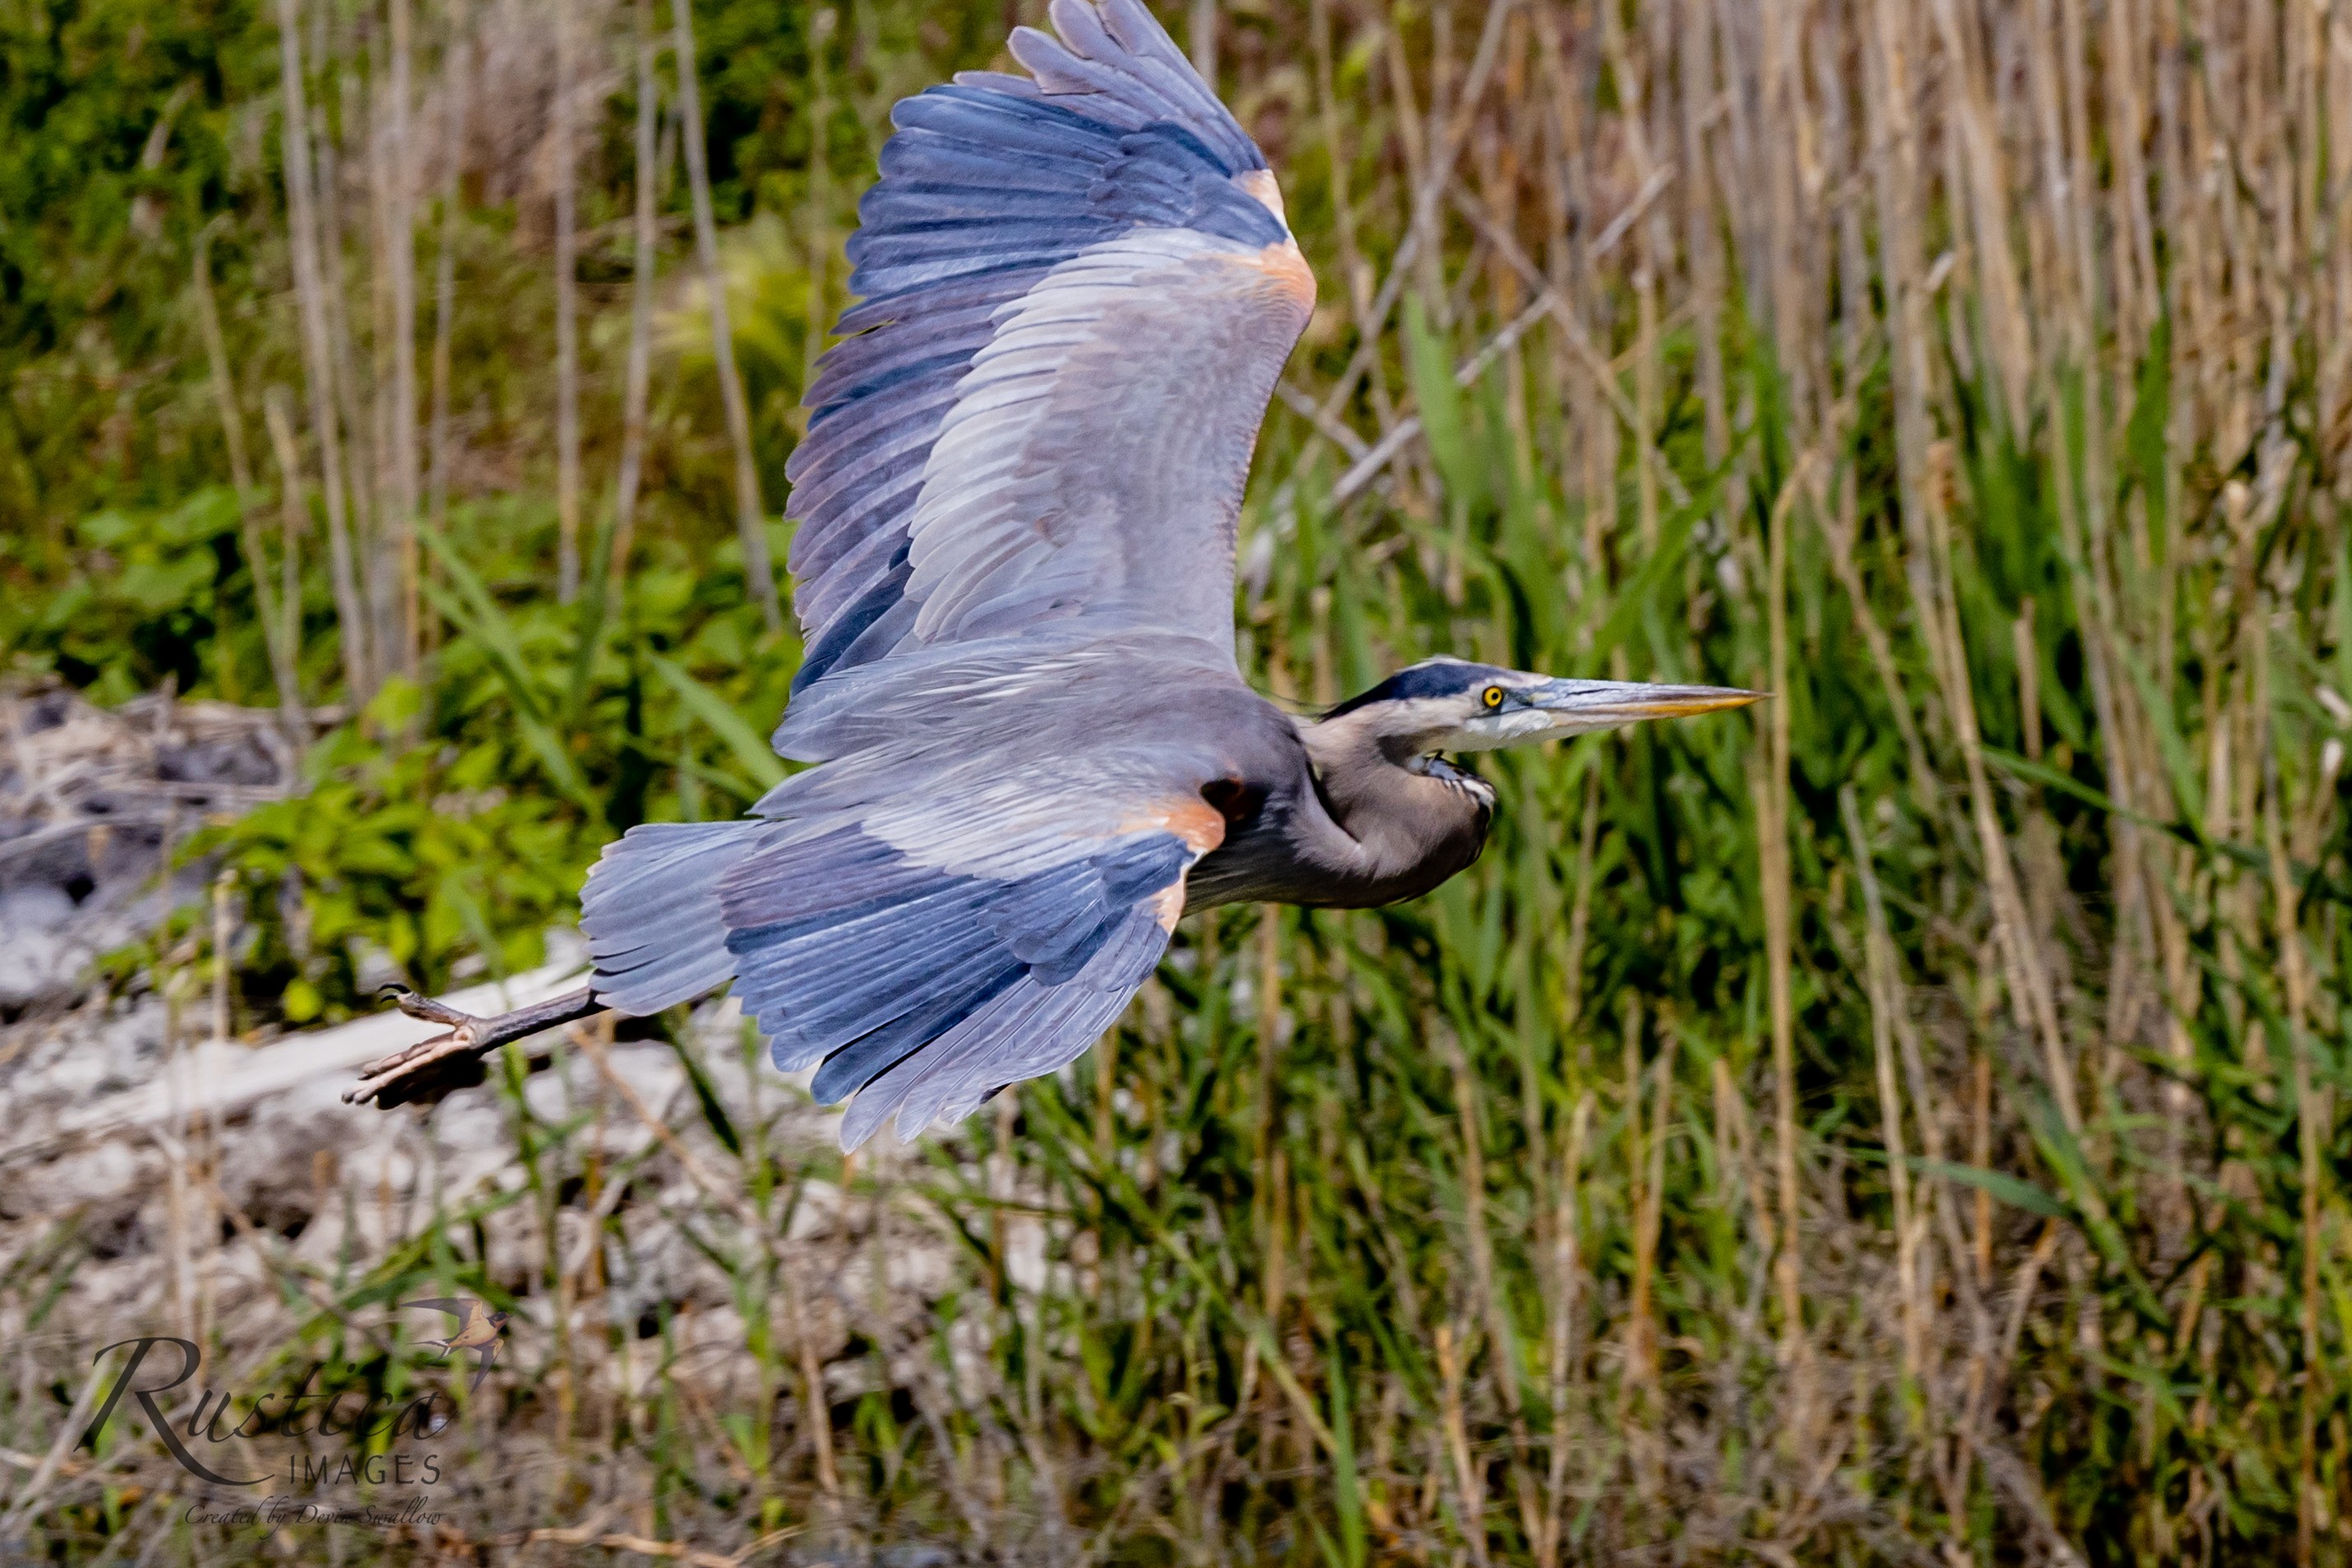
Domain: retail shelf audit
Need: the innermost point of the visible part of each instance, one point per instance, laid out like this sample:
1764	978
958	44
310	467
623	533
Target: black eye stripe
1437	677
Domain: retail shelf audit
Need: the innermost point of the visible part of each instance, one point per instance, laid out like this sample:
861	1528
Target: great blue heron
1014	573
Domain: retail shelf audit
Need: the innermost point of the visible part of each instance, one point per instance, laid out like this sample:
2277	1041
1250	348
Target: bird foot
425	1071
431	1068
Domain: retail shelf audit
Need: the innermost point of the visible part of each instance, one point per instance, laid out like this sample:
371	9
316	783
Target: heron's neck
1405	810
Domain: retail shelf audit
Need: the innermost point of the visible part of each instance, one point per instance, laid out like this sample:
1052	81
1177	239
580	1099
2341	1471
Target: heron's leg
431	1068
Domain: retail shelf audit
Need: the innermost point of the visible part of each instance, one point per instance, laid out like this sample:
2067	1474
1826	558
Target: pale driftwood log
222	1078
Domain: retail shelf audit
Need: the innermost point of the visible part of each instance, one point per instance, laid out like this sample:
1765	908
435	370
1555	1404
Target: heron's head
1453	705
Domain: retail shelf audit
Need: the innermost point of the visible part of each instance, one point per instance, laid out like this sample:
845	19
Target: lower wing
922	954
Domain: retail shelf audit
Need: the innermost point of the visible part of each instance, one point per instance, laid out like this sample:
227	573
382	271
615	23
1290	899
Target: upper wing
1078	290
454	1305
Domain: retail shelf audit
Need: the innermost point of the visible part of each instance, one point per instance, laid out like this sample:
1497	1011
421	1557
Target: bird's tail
652	916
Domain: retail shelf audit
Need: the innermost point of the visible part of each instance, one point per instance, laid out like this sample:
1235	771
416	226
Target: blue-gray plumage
1014	578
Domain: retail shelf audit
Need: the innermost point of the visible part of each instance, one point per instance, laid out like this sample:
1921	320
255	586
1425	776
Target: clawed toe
412	1071
425	1007
423	1071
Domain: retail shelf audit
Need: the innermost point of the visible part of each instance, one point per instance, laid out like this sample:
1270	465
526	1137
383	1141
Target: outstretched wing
1077	290
456	1306
930	932
923	992
953	903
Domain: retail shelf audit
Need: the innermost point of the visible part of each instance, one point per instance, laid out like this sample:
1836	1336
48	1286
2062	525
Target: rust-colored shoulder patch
1287	270
1284	262
1281	260
1201	825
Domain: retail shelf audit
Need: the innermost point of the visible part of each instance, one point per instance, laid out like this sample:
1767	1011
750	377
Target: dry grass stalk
1643	1370
1564	1302
364	472
2031	993
1885	1001
278	633
1201	37
456	81
751	515
317	359
1502	1339
1768	784
567	311
293	509
1469	1480
398	267
637	386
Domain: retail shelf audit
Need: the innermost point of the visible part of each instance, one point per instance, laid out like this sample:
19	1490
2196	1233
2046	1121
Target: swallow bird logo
478	1330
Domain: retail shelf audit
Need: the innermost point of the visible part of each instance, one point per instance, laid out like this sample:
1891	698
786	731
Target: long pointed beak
1593	704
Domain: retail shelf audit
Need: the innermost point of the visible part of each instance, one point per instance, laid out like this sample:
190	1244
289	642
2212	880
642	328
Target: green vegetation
1906	1127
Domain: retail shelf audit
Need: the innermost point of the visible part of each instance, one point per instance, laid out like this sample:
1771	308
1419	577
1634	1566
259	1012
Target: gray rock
36	924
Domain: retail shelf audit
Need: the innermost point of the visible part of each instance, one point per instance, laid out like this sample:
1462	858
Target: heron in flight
1034	750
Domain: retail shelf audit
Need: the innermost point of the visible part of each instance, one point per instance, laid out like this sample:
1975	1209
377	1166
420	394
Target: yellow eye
1492	696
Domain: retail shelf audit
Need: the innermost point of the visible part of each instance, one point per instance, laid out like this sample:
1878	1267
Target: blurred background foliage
1903	1128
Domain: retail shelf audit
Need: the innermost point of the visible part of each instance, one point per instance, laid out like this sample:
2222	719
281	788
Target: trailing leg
430	1068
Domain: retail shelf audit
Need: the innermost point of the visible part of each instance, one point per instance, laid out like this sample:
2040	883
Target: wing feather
1077	294
861	948
1031	1030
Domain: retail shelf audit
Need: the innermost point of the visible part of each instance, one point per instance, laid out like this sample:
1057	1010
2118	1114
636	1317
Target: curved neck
1411	822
